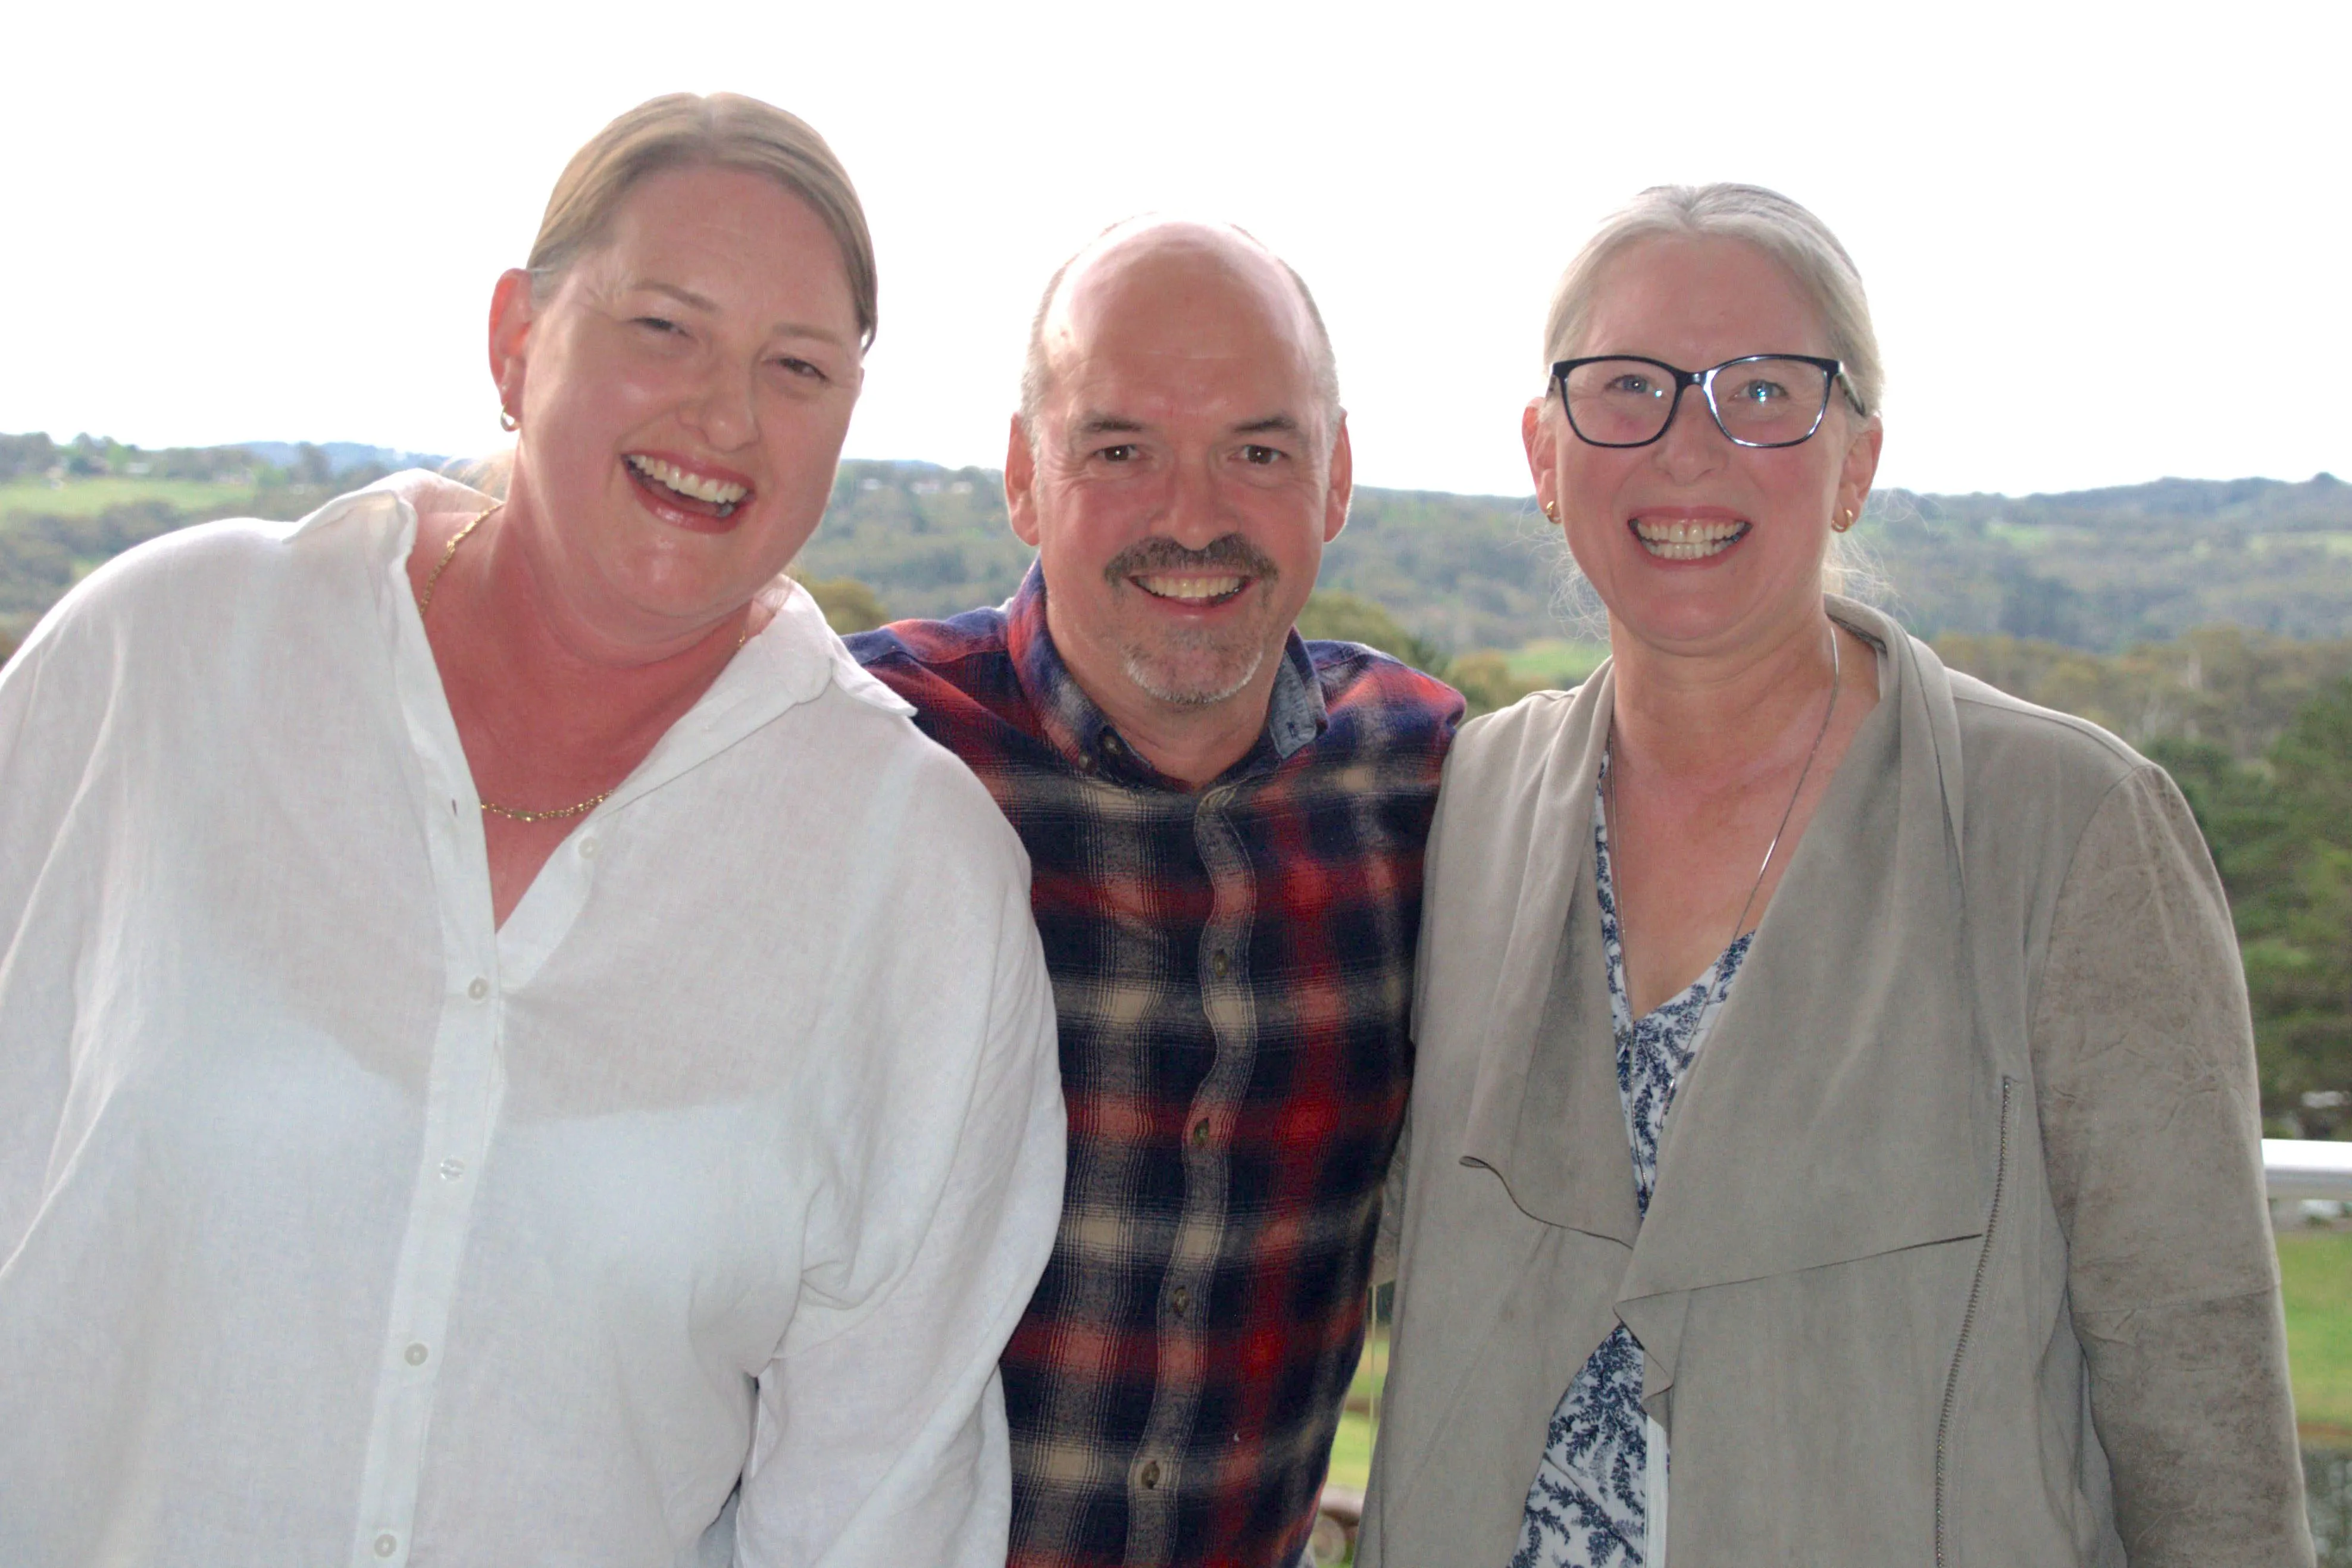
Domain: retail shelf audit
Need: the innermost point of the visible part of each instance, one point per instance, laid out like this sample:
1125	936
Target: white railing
2307	1167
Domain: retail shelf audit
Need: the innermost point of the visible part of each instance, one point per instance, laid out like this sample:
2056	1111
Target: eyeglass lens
1768	401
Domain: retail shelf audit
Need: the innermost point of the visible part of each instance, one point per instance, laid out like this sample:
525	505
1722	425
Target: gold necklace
425	603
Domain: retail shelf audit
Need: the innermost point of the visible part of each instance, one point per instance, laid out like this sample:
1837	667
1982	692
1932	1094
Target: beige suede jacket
1957	1254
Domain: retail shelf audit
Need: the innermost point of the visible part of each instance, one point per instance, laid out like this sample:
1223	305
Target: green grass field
1352	1451
2334	541
87	497
1556	661
2316	1269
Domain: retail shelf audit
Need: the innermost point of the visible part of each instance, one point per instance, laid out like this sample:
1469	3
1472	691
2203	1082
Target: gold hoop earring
1551	510
507	420
1843	520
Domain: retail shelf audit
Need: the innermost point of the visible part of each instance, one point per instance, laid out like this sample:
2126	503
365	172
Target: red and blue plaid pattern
1232	967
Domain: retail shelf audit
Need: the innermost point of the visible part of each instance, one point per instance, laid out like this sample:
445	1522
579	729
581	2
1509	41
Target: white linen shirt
339	1225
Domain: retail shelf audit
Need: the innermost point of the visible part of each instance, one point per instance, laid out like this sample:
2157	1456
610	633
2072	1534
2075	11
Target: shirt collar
795	656
1081	731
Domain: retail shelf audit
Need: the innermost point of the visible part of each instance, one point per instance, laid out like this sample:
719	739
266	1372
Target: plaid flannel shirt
1232	967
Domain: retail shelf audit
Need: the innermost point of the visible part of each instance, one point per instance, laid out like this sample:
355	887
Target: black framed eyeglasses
1757	399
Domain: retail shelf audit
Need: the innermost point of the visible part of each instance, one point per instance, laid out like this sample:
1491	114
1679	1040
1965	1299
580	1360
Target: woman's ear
511	319
1861	467
1543	455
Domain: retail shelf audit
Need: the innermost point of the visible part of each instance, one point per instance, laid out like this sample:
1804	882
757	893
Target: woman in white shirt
512	1049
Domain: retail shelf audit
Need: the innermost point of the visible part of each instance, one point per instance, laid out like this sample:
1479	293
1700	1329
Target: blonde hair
1781	228
723	129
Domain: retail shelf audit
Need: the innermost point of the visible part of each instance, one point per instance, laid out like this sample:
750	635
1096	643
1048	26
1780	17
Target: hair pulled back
725	130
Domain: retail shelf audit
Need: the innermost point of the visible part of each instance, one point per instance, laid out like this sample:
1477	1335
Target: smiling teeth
717	492
1190	586
1685	538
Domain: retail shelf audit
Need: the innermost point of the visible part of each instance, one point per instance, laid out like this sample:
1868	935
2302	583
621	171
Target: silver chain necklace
1837	683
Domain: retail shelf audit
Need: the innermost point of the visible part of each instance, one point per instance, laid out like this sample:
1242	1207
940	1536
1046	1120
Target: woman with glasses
512	1048
1834	1138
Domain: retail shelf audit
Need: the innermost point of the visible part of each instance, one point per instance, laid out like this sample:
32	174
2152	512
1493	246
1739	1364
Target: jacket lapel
1544	1119
1844	1085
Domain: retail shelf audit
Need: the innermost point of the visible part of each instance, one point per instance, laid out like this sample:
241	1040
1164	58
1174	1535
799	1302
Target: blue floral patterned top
1594	1495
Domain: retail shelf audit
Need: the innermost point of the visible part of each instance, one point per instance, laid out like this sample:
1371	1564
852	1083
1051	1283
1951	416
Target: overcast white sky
2103	243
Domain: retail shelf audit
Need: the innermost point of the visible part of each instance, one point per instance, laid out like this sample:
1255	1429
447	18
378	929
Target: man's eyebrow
1093	424
1271	424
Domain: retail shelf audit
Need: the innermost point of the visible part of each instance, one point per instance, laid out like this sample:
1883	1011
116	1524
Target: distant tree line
1482	676
2223	685
90	456
2103	570
2281	833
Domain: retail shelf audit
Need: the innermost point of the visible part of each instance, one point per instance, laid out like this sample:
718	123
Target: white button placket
463	1087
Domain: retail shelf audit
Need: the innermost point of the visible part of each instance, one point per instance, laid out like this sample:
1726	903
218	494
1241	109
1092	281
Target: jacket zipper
1969	1318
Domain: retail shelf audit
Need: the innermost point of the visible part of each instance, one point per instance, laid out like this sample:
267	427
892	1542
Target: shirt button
1151	1474
386	1544
1220	964
415	1354
452	1168
587	849
1180	1299
1200	1133
479	988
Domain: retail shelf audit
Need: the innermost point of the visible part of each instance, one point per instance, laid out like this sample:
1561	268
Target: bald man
1225	826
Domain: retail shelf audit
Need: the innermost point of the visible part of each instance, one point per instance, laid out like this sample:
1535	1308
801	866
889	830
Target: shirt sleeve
2144	1056
47	735
882	1437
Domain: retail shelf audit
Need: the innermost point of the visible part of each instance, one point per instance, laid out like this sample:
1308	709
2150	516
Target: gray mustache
1230	552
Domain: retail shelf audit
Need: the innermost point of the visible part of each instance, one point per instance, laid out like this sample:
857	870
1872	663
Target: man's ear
511	319
1343	481
1020	484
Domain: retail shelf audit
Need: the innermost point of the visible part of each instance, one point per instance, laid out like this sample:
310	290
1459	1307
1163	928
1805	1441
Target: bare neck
1712	718
529	674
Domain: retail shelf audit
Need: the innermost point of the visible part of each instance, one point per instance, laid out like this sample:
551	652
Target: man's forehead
1112	393
1180	326
1178	290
